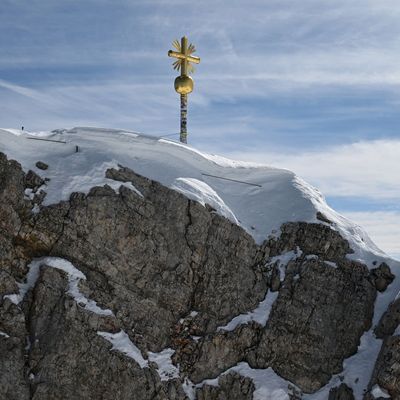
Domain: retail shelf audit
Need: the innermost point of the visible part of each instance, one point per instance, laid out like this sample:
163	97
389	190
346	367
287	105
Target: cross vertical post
184	83
184	51
183	133
184	68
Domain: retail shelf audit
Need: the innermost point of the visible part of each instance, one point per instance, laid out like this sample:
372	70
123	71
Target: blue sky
308	85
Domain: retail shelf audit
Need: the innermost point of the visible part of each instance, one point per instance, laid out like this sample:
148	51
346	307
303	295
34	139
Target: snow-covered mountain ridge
162	297
272	196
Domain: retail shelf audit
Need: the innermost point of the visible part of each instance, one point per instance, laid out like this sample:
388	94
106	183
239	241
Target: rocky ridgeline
170	272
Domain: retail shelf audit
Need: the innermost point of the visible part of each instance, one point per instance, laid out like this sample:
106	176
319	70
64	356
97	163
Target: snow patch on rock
74	276
283	260
93	177
268	384
199	191
166	370
260	314
378	392
122	343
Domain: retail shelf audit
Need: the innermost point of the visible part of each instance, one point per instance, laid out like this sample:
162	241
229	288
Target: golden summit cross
184	82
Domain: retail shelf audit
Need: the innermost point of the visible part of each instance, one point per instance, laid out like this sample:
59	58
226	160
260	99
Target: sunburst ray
191	49
190	68
177	45
177	64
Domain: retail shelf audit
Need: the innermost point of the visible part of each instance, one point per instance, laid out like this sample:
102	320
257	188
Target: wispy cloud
21	90
367	168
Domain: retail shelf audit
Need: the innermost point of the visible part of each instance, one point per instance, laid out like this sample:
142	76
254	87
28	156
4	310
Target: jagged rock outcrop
390	320
215	353
386	374
12	209
299	339
69	360
387	368
312	239
342	392
42	165
13	379
151	260
171	272
382	277
13	375
33	181
156	257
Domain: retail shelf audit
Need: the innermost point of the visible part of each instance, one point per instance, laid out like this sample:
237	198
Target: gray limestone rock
322	217
172	272
387	368
68	359
156	257
7	283
316	239
274	280
33	180
216	353
12	188
39	197
342	392
231	386
390	320
382	277
13	377
316	322
42	165
13	210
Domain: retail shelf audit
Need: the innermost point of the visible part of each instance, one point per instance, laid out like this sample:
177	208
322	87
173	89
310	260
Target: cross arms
181	56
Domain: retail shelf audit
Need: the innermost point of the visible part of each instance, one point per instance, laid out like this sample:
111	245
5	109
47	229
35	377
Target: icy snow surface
122	343
283	260
378	392
204	194
281	197
74	276
166	369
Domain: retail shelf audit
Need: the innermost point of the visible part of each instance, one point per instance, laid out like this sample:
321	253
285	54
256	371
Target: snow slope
268	198
279	196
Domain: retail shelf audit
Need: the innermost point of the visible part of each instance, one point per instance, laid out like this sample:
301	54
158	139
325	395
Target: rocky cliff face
136	295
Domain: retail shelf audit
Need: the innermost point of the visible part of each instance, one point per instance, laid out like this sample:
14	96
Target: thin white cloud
303	68
21	90
129	105
368	169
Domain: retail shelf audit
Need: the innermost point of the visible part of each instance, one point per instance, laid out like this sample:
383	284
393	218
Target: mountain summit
135	267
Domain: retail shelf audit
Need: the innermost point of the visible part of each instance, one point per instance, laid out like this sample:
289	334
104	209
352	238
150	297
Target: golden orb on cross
184	84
